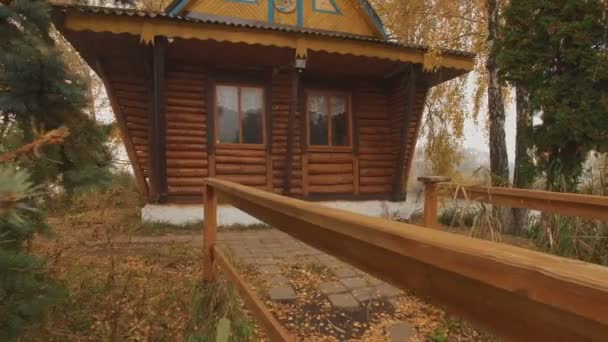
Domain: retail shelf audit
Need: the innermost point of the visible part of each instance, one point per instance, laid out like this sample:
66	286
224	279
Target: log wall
368	170
128	89
186	132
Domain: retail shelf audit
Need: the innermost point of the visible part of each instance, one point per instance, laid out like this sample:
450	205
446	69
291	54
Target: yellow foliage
442	24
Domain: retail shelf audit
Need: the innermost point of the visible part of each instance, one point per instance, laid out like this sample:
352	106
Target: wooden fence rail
585	206
517	293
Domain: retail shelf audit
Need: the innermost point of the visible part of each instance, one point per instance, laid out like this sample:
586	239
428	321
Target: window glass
227	114
252	108
317	112
339	121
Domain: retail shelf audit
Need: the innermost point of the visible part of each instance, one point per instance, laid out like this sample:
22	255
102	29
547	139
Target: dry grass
123	289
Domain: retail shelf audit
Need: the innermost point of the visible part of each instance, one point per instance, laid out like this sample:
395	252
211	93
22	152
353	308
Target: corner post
431	201
210	231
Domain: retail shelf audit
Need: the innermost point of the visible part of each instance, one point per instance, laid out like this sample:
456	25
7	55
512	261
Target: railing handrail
517	293
579	205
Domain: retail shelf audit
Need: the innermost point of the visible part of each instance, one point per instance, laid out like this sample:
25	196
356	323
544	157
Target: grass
212	303
119	290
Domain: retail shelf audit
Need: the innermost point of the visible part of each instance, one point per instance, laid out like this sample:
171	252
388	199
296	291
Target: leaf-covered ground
134	282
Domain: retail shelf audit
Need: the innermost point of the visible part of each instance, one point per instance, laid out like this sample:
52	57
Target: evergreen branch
56	136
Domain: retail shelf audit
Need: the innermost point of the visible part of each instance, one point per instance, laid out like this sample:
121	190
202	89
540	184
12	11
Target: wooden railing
585	206
516	293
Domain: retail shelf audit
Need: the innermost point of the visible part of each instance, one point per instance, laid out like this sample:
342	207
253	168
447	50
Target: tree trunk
499	163
523	161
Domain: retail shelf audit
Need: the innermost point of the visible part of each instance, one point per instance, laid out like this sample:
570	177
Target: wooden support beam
124	131
210	231
356	107
210	112
268	128
517	293
431	199
274	329
156	121
398	191
291	120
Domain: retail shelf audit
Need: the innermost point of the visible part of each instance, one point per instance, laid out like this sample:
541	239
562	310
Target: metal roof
243	23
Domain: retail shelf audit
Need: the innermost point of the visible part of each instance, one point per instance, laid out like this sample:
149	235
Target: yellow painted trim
147	29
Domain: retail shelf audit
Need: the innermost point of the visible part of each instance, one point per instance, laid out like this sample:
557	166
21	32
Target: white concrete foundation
229	215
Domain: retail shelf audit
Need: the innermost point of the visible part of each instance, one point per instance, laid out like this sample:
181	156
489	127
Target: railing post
431	199
210	231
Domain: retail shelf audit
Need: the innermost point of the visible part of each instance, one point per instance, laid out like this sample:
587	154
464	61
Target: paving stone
386	290
282	294
373	280
401	332
278	280
332	287
345	272
265	261
269	269
363	294
353	282
344	301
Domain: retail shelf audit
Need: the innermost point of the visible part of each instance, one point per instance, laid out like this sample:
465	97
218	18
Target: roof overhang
147	25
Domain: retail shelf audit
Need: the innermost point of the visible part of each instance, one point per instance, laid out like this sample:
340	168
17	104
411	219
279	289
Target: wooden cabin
306	98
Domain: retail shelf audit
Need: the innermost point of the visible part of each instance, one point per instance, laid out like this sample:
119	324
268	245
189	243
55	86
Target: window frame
240	144
349	116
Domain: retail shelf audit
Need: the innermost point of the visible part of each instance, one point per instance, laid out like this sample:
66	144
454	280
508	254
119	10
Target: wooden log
329	158
356	176
244	179
378	157
375	189
375	163
326	169
370	172
235	152
181	154
188	140
187	172
185	181
240	169
239	160
136	87
210	232
196	118
278	182
330	189
171	124
333	179
184	163
173	109
376	180
173	101
186	132
186	147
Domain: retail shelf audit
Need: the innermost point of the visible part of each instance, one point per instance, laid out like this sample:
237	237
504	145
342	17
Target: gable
348	16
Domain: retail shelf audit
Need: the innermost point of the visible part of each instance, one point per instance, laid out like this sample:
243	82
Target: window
240	112
328	119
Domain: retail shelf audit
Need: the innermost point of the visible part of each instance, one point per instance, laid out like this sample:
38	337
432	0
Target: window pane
252	104
339	121
317	111
227	114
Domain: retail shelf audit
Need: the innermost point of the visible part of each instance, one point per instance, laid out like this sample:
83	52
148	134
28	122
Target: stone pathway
268	249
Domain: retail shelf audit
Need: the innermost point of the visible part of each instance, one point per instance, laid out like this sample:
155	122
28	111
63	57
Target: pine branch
54	137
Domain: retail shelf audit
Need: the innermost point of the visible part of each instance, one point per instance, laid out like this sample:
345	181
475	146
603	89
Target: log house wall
370	172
